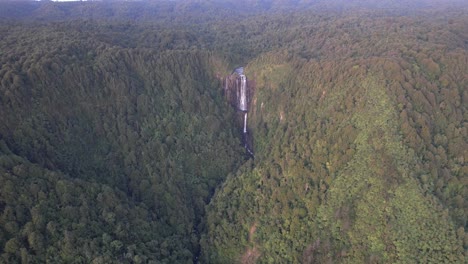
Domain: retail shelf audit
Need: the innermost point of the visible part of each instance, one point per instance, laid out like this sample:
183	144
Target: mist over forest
129	134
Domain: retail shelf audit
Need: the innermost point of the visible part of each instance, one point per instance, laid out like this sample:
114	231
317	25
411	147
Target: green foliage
338	168
379	182
114	135
129	144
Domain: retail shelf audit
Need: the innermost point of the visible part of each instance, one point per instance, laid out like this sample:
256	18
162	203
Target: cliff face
239	92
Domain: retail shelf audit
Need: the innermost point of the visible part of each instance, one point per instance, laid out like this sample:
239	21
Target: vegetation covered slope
353	161
114	132
109	152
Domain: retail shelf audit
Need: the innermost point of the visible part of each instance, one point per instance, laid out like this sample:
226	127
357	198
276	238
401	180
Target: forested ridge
118	146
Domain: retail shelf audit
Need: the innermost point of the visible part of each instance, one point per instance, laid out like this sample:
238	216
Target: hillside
117	144
121	147
356	159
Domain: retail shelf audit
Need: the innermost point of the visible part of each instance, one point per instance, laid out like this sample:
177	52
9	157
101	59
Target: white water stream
245	123
243	94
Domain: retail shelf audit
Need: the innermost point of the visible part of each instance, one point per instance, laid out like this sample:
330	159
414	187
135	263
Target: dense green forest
118	146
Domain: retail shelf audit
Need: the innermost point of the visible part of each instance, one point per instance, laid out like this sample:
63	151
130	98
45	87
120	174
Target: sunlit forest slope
118	146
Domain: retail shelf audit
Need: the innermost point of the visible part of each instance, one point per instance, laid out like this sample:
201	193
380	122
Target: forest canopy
117	144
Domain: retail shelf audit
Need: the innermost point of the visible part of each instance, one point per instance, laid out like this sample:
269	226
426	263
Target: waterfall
226	87
243	94
245	123
238	93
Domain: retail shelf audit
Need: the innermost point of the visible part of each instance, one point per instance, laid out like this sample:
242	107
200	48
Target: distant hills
197	10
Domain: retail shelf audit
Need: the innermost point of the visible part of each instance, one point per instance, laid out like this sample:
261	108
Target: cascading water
226	87
243	93
245	123
238	92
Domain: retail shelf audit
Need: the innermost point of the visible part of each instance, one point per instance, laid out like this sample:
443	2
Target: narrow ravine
238	91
